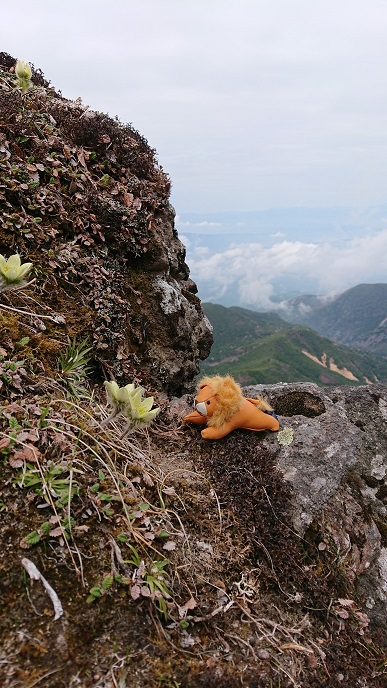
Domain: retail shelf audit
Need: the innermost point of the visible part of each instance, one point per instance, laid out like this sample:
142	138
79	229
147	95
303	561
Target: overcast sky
250	104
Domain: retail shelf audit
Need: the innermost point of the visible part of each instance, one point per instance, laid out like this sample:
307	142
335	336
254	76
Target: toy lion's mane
229	398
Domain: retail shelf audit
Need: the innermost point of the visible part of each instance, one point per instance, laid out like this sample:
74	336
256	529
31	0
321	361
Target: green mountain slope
357	317
261	348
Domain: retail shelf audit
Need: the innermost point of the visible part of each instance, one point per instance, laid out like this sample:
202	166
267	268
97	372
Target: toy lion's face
206	401
218	399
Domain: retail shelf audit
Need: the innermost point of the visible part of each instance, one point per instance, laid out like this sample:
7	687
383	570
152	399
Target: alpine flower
12	271
140	412
23	75
129	401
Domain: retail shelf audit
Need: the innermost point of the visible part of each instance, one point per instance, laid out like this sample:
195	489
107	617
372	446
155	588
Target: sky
253	106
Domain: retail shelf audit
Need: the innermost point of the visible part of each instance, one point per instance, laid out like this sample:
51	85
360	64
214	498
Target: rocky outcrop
337	468
84	199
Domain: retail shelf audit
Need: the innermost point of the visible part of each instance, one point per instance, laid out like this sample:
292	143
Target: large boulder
336	465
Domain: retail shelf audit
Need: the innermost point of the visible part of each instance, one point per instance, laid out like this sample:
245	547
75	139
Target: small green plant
36	536
105	180
10	372
44	413
23	342
23	75
46	529
73	366
49	484
100	590
150	580
13	272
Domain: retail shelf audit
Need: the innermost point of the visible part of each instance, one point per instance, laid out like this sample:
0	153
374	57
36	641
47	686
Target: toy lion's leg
195	417
217	433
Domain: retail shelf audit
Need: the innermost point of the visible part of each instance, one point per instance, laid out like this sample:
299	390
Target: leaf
135	592
81	157
169	491
127	199
107	582
169	546
32	538
147	479
61	441
4	442
33	435
96	592
54	519
190	604
145	592
32	453
57	532
343	614
362	619
16	461
13	407
22	436
23	544
345	603
28	453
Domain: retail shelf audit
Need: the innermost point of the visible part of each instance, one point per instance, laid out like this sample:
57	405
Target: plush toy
221	406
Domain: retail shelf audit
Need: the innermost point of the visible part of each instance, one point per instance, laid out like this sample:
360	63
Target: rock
96	222
337	467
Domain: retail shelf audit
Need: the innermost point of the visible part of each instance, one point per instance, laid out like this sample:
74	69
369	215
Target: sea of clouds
233	269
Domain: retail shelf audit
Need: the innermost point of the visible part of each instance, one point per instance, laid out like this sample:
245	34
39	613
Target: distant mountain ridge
262	348
357	317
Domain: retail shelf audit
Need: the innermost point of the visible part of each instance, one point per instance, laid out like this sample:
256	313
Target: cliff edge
84	199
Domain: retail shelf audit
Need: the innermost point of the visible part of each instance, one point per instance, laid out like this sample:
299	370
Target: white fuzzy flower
12	271
129	401
23	75
23	70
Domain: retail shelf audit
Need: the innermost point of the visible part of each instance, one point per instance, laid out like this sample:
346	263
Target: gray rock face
168	332
337	466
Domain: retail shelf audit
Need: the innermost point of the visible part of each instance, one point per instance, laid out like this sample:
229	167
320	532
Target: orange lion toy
221	406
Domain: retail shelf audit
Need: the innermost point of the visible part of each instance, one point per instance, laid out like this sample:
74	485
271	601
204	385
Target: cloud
251	271
204	224
249	104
